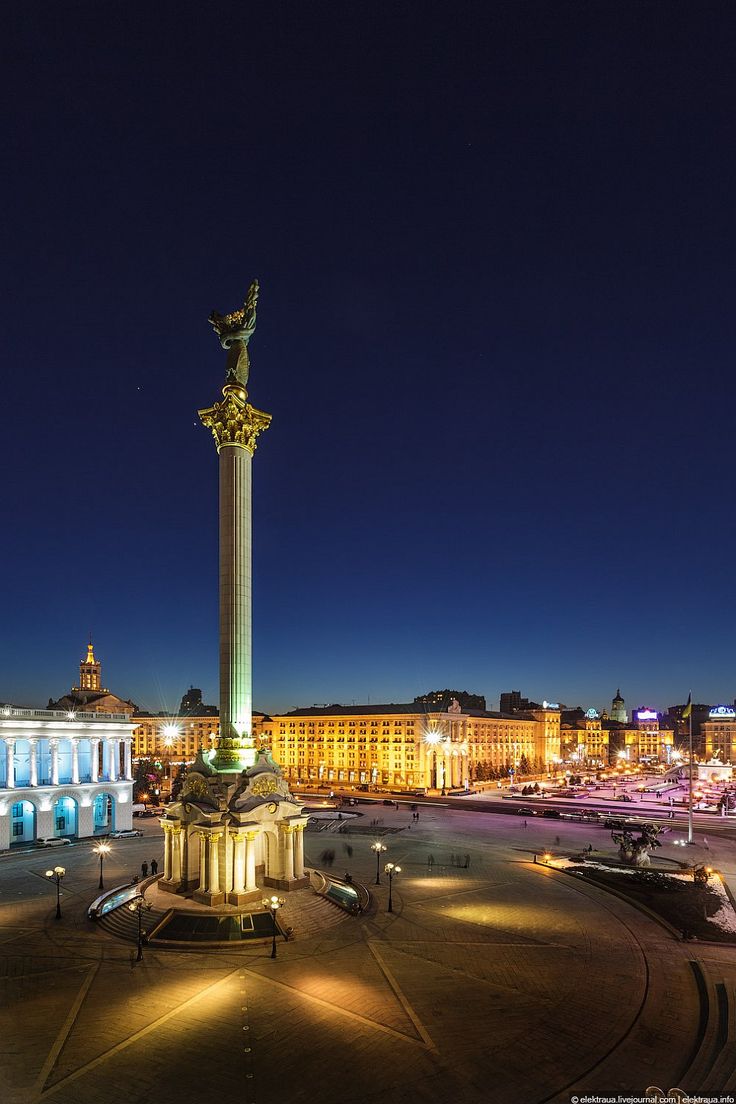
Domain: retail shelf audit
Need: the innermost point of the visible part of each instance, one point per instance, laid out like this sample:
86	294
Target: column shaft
250	863
299	852
10	763
75	761
288	854
175	836
203	862
95	759
214	880
54	746
34	763
128	760
167	854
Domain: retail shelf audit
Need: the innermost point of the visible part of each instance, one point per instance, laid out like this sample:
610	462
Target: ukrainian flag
688	708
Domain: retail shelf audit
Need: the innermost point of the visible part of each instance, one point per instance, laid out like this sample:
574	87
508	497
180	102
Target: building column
94	754
299	852
34	761
113	755
239	841
175	835
75	761
167	853
54	748
202	861
214	875
465	769
250	861
128	746
10	762
288	852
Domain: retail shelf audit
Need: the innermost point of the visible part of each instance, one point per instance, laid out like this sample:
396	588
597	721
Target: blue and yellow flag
688	708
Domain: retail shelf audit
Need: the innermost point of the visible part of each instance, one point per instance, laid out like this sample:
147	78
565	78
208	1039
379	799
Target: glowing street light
139	905
102	849
391	870
56	875
378	847
273	904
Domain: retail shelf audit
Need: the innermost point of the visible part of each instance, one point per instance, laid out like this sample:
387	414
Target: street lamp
102	849
56	875
272	904
378	848
392	871
138	905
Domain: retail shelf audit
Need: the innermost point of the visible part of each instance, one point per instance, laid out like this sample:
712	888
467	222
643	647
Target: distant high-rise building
442	698
511	701
618	711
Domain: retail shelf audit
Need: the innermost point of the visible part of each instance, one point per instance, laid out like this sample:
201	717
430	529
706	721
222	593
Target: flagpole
690	773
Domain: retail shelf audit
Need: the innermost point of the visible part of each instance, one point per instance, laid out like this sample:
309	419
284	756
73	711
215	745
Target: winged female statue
235	331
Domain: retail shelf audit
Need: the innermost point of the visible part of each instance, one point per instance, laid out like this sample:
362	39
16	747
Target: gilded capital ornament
234	421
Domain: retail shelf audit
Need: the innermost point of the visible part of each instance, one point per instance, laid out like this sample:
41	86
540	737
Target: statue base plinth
171	886
248	897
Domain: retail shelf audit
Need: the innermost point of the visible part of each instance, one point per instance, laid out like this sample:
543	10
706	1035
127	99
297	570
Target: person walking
467	862
430	862
144	869
154	866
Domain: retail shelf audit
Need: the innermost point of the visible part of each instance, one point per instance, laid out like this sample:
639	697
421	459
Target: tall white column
34	761
75	760
128	746
54	748
112	760
10	762
94	753
235	596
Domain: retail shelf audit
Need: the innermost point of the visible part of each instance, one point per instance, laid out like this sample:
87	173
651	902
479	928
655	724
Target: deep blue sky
496	332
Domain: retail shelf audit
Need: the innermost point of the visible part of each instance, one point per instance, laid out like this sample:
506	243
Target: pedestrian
349	850
144	869
452	860
557	841
430	861
590	848
525	824
705	844
154	866
467	861
349	879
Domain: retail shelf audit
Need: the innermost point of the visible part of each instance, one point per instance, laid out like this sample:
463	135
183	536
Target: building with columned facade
63	773
405	747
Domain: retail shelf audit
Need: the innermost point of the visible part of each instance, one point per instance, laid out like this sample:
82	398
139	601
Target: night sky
496	333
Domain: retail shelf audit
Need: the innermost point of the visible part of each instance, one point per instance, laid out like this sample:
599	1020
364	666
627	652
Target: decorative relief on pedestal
264	785
234	421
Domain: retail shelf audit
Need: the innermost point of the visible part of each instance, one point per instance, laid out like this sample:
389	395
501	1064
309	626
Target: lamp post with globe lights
102	850
273	904
391	870
379	848
56	875
139	905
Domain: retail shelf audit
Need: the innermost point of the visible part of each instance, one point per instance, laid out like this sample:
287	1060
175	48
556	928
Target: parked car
525	811
55	841
125	833
552	813
624	797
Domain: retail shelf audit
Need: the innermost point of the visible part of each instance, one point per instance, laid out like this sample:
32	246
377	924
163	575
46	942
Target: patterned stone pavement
505	981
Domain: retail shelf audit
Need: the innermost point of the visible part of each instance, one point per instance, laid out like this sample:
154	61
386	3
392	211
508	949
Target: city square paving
502	981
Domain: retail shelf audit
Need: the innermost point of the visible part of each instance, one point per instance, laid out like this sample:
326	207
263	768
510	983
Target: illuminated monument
236	825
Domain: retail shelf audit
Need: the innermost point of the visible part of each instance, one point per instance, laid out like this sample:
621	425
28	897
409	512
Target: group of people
144	868
455	860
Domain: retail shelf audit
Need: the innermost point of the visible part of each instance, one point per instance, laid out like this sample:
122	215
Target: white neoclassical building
63	774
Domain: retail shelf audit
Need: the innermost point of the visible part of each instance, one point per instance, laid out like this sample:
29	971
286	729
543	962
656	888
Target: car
624	797
125	833
55	841
524	811
552	813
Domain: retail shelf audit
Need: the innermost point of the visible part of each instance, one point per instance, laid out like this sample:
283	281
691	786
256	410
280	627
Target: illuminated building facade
618	709
720	734
404	747
180	736
646	740
586	740
91	696
63	774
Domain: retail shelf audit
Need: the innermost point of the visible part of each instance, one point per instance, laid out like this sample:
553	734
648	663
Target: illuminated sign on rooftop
646	715
722	713
592	714
550	705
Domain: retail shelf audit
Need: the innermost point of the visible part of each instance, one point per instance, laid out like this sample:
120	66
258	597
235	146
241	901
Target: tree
177	782
146	779
524	767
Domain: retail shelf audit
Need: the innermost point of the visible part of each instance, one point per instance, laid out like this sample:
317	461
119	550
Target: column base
170	886
207	897
287	883
247	897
